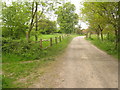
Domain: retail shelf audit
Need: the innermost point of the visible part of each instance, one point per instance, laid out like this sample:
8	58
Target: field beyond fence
45	43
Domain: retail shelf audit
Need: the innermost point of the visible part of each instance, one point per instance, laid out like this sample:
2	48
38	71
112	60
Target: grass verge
17	74
105	45
15	51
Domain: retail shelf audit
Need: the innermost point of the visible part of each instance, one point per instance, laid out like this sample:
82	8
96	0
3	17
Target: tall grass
105	45
20	50
14	70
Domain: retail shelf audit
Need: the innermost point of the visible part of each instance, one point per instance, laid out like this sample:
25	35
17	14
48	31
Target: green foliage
46	26
102	18
106	45
100	15
6	82
20	50
15	19
17	50
78	31
67	18
15	71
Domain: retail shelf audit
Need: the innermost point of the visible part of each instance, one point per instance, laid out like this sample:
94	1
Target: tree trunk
30	28
116	39
101	29
108	35
101	35
31	24
90	35
98	34
116	35
87	35
36	37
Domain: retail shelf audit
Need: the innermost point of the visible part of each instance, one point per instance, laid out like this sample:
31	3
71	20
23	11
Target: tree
45	6
67	18
94	15
46	26
100	14
32	20
15	19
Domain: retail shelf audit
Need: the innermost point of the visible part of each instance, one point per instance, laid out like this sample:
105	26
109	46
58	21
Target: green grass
24	51
46	36
9	57
105	45
14	71
49	36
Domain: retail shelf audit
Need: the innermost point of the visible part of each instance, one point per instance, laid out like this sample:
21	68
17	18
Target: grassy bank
20	50
105	45
20	73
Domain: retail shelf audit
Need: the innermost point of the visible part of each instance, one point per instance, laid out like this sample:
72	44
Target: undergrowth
15	66
105	45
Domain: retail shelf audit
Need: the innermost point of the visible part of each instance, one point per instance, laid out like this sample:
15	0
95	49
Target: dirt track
82	65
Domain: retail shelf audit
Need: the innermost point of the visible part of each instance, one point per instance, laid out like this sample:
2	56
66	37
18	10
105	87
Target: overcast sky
78	6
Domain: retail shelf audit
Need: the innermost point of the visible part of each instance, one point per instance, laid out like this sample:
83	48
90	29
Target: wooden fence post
60	38
56	40
40	43
27	36
50	41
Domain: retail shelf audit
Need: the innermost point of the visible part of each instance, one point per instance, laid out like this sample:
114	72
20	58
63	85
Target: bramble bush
21	48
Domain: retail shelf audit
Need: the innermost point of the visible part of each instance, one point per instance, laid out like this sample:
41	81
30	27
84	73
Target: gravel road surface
82	65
